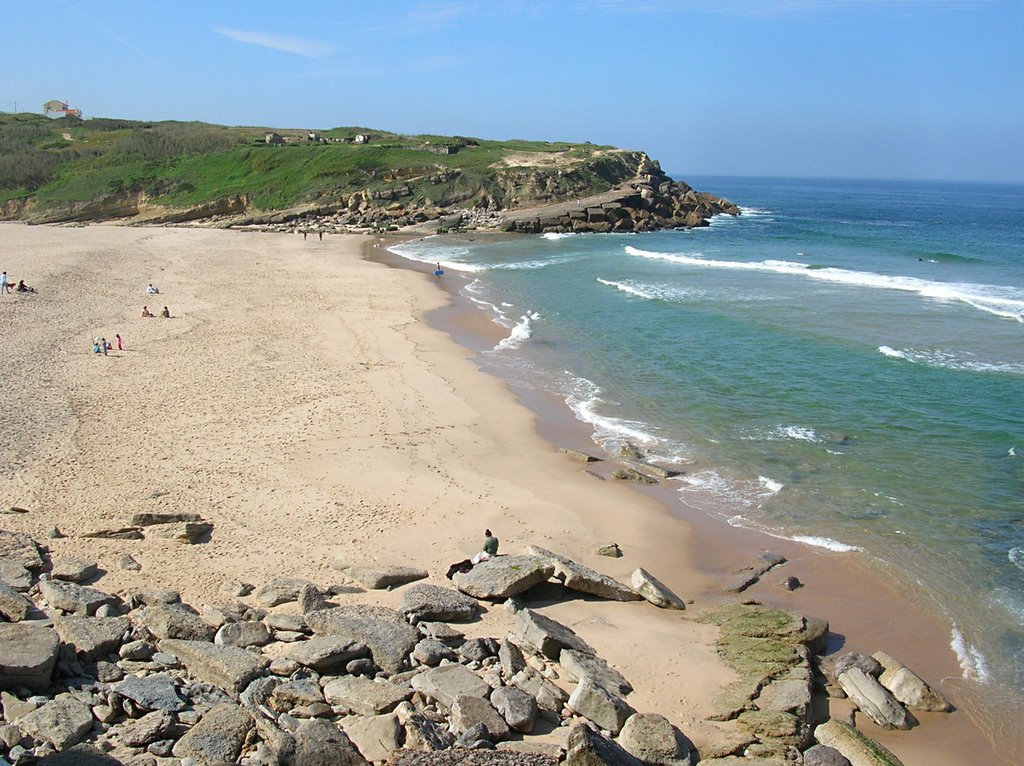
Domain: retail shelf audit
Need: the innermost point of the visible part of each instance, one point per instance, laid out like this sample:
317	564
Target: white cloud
300	46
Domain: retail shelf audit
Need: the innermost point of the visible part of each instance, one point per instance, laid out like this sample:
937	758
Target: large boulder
518	708
72	569
383	631
874	700
228	667
27	656
858	749
548	636
62	722
364	696
908	687
654	740
153	692
588	747
599	705
655	591
433	602
503	576
577	665
219	735
583	579
92	637
325	653
77	599
449	682
380	577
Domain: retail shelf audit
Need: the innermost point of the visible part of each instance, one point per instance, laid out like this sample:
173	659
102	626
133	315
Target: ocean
842	366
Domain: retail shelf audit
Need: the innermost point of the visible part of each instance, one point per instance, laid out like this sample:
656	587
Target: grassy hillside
59	163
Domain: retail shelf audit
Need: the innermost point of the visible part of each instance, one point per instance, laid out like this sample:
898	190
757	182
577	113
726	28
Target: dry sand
298	402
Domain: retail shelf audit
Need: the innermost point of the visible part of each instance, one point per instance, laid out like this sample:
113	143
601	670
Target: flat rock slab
80	755
325	653
470	711
69	597
380	577
228	667
281	590
655	591
72	569
375	737
434	602
154	692
908	687
92	638
653	739
578	665
383	631
460	756
149	519
587	747
319	742
14	607
503	576
27	656
14	574
873	699
219	735
449	682
364	696
165	620
583	579
599	705
548	636
186	532
62	722
20	548
858	749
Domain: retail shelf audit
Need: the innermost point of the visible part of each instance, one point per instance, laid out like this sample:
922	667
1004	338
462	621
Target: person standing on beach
104	345
120	342
321	233
5	287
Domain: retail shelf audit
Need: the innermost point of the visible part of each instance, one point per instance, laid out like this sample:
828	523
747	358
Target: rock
73	570
13	709
422	734
578	665
630	451
153	692
908	687
752	573
788	696
280	591
478	649
135	650
380	577
375	737
121	533
790	583
873	699
548	695
320	743
242	634
295	693
236	588
150	519
579	457
599	705
518	708
219	735
92	637
175	621
159	596
187	532
442	632
449	682
612	550
470	711
655	591
62	722
433	602
128	562
80	755
652	739
325	654
228	667
14	607
548	636
431	652
631	474
858	749
293	622
54	533
363	696
152	727
820	755
15	575
21	549
311	598
583	579
869	665
511	658
383	631
27	656
740	582
503	576
589	748
69	597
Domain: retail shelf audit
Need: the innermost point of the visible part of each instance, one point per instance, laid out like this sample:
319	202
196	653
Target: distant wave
654	292
780	433
754	212
416	250
972	661
521	333
824	542
608	431
1006	302
949	258
556	235
949	361
539	263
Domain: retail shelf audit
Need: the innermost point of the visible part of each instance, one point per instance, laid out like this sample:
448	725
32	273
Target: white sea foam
771	485
1002	301
1016	556
1012	452
947	360
783	433
609	430
521	333
417	250
824	542
972	661
557	235
654	292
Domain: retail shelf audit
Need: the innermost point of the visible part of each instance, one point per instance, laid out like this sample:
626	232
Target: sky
909	89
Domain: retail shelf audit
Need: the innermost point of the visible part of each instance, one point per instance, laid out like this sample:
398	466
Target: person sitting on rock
490	548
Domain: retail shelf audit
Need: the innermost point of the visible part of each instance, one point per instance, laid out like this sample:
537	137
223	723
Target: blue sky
829	88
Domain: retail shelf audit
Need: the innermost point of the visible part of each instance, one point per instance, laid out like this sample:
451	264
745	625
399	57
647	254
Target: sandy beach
297	400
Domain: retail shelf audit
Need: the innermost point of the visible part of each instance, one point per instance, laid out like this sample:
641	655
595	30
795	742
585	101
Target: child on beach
4	286
95	345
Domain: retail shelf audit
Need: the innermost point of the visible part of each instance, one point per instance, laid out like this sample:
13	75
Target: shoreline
876	613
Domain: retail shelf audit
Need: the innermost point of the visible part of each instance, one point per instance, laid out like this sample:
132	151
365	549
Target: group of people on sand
151	290
5	285
103	346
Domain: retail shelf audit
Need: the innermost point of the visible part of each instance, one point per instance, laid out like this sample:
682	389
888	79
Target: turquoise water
843	365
